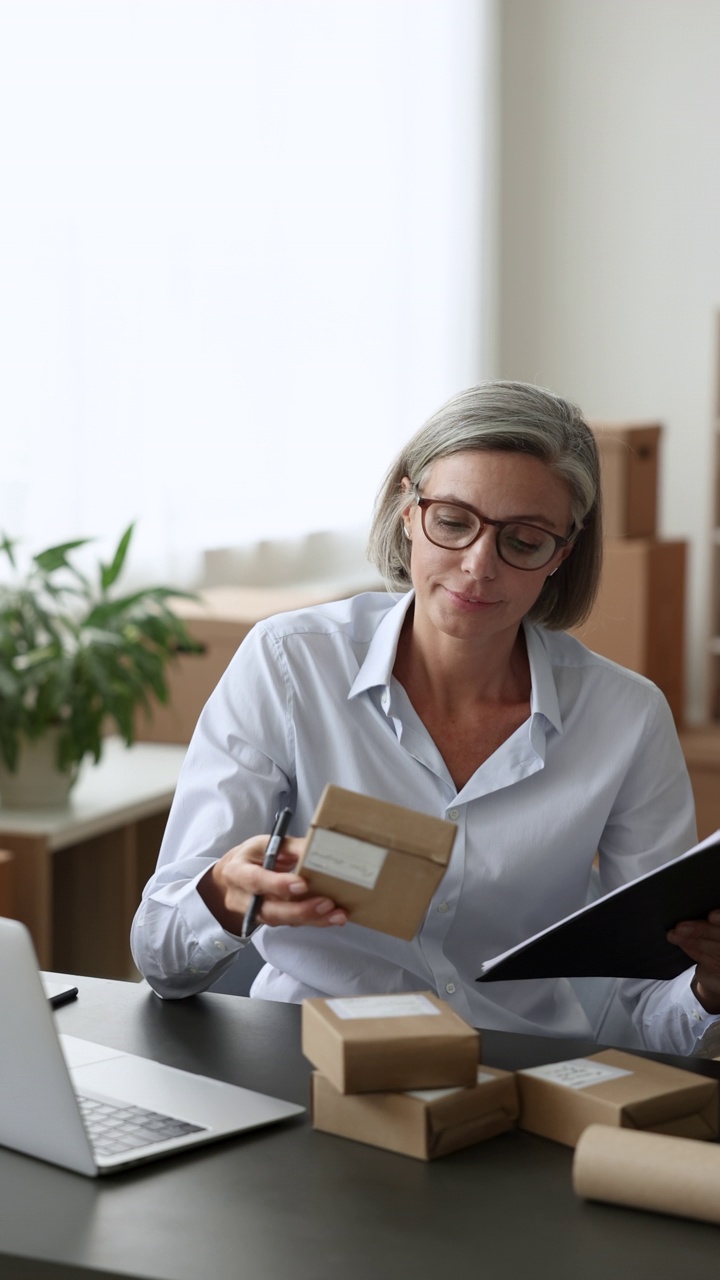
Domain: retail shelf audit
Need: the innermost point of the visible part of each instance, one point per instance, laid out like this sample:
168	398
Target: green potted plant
76	658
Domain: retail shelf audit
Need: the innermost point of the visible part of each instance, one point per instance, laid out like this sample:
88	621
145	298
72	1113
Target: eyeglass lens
521	545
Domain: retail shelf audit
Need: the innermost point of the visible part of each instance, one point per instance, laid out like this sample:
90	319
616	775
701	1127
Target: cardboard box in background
381	862
701	748
620	1089
423	1123
411	1040
630	472
638	619
219	620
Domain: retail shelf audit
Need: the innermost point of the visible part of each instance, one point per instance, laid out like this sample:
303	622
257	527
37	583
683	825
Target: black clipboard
622	935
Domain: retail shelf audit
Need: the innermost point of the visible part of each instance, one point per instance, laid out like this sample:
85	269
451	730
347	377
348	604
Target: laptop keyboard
117	1127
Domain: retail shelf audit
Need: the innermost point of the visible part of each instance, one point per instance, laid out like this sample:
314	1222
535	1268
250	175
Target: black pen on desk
63	997
282	822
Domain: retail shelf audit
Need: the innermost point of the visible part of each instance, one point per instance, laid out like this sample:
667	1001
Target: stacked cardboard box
639	617
402	1072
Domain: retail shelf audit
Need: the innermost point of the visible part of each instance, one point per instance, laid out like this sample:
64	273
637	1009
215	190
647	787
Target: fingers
239	875
320	912
700	939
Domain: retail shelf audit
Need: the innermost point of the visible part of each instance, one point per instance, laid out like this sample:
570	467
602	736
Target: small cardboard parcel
620	1089
381	862
424	1123
410	1040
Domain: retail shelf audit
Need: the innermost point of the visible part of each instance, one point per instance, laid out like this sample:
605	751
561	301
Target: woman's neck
453	673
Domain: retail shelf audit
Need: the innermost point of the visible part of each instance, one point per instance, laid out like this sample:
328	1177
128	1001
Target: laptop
93	1109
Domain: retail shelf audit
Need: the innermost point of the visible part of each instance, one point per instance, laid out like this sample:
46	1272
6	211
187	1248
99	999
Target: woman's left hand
700	939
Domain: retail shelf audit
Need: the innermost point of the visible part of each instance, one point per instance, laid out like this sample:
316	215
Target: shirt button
444	906
385	700
219	946
450	988
453	814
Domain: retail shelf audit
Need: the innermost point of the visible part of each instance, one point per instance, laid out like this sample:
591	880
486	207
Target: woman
461	696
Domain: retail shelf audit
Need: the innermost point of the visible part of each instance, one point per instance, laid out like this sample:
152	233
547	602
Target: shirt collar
376	669
544	697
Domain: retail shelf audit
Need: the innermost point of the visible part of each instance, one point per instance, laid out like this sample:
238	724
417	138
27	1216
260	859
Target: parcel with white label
379	861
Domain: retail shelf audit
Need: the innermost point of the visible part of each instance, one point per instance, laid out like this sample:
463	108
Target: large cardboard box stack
639	617
402	1072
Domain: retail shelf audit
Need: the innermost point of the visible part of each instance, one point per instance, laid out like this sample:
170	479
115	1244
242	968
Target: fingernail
337	917
297	887
324	906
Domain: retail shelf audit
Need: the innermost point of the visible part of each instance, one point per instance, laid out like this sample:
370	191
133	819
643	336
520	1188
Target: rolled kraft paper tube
651	1171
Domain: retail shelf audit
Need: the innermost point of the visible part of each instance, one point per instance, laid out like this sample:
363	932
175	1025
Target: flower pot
37	783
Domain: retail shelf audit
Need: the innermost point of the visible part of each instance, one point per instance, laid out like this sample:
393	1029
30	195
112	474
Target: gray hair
505	417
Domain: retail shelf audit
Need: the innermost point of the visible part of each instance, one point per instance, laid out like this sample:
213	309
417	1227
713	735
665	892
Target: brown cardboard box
620	1089
701	748
379	861
638	618
411	1040
629	464
423	1123
219	619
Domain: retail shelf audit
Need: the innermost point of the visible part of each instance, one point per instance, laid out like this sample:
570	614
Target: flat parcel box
625	1091
424	1123
411	1040
381	862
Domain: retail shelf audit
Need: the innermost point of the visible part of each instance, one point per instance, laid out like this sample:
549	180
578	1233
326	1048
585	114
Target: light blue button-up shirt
310	698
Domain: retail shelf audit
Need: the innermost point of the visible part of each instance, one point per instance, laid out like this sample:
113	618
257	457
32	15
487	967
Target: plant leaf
109	573
8	545
57	557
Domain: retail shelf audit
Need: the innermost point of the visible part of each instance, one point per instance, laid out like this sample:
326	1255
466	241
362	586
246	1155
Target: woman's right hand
230	883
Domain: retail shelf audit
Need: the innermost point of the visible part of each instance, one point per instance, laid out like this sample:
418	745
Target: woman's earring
406	532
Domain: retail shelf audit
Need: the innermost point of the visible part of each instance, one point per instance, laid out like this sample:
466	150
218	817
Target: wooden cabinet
79	870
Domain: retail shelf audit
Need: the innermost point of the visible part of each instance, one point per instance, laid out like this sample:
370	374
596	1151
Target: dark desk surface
286	1203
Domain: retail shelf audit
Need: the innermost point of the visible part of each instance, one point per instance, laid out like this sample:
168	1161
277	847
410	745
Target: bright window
239	260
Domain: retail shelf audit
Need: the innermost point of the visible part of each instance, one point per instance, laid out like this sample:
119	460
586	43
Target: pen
63	997
280	826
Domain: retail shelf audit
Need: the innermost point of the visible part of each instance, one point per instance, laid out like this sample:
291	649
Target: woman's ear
406	487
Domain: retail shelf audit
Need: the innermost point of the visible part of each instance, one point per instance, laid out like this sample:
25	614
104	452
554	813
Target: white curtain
240	260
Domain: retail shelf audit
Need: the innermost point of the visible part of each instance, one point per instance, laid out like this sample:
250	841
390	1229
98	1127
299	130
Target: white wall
609	233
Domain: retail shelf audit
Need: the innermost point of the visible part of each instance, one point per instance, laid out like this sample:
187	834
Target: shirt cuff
211	940
704	1027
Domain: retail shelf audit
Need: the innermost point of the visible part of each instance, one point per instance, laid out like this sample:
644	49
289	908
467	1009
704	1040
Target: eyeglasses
455	525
